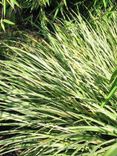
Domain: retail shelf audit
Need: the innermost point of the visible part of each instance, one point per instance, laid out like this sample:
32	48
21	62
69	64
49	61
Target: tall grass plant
51	93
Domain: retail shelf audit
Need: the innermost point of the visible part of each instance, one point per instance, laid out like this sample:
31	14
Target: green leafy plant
33	11
6	8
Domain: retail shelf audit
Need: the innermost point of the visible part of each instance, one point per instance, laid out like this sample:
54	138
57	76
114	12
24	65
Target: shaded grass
51	92
30	13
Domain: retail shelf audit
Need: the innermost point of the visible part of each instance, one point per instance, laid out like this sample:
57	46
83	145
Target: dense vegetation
58	78
25	12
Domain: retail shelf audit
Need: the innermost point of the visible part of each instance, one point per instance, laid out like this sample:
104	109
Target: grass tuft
51	93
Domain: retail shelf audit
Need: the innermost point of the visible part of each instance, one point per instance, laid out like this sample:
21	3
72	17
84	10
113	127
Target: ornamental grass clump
52	92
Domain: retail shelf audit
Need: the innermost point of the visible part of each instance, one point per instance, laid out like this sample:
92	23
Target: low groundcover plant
51	93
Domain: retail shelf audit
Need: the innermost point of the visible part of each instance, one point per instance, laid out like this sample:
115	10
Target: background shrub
40	11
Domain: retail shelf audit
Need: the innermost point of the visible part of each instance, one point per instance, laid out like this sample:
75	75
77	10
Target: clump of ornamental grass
52	94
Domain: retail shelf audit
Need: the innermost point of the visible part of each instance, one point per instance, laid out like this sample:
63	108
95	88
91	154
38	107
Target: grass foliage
51	93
